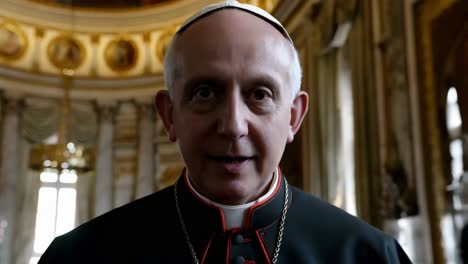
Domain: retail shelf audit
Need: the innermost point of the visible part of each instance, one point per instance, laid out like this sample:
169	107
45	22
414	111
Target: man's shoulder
327	217
141	213
334	236
124	229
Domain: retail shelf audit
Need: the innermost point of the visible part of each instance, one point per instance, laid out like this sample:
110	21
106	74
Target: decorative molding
398	156
28	84
85	48
101	22
163	42
93	47
425	13
292	12
12	106
110	7
107	112
335	19
146	111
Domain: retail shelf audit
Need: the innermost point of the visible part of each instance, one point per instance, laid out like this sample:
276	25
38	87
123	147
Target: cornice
94	21
115	89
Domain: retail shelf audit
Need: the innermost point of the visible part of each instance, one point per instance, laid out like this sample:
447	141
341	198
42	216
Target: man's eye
203	92
260	94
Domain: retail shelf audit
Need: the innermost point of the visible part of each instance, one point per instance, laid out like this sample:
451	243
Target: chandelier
65	155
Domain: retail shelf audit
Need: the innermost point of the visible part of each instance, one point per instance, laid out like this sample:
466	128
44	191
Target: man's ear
165	110
298	111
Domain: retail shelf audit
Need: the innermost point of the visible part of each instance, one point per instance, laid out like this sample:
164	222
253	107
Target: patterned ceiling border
62	40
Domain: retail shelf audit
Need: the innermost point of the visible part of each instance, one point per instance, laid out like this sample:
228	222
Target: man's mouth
231	164
230	159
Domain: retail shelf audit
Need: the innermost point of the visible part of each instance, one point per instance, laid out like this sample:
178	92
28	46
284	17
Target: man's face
231	107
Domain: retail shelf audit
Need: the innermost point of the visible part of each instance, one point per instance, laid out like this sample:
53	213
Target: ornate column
8	178
104	161
146	167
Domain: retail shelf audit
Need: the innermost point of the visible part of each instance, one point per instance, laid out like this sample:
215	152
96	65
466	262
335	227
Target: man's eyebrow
264	79
268	80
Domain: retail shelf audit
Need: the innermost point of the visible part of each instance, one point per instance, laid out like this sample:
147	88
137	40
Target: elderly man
232	105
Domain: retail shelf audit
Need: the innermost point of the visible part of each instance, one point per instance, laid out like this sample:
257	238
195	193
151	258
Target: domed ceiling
111	4
114	49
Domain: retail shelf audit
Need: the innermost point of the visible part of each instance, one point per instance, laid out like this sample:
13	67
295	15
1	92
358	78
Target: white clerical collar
234	215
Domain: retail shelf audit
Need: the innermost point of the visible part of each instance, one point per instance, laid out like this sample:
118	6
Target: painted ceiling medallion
121	54
13	41
163	43
66	52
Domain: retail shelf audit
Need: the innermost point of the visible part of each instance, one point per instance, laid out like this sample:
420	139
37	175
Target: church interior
384	139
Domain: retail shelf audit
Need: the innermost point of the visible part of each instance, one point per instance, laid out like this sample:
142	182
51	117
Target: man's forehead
232	4
230	35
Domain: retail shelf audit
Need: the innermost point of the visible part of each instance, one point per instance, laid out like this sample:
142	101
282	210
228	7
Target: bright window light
48	176
45	218
56	209
453	110
452	96
34	260
456	148
65	210
454	123
47	163
68	176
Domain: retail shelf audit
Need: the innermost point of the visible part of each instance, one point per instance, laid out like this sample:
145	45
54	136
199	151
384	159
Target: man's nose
232	120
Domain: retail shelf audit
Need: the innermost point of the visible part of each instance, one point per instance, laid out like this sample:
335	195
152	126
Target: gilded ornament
13	41
107	6
66	52
121	54
163	43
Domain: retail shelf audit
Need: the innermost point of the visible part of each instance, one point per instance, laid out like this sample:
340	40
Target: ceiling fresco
103	4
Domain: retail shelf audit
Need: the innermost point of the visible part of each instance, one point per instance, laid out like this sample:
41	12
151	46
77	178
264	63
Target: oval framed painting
121	54
13	41
66	52
163	43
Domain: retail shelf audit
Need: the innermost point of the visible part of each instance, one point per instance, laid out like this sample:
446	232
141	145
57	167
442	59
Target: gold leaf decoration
163	43
66	52
13	41
121	54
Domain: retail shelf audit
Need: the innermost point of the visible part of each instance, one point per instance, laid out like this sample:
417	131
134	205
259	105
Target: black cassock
148	230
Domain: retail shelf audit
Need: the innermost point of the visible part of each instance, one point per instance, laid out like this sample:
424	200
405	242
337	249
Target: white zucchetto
254	10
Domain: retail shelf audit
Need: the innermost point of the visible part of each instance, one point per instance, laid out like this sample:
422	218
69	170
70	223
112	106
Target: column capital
146	111
106	111
12	105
